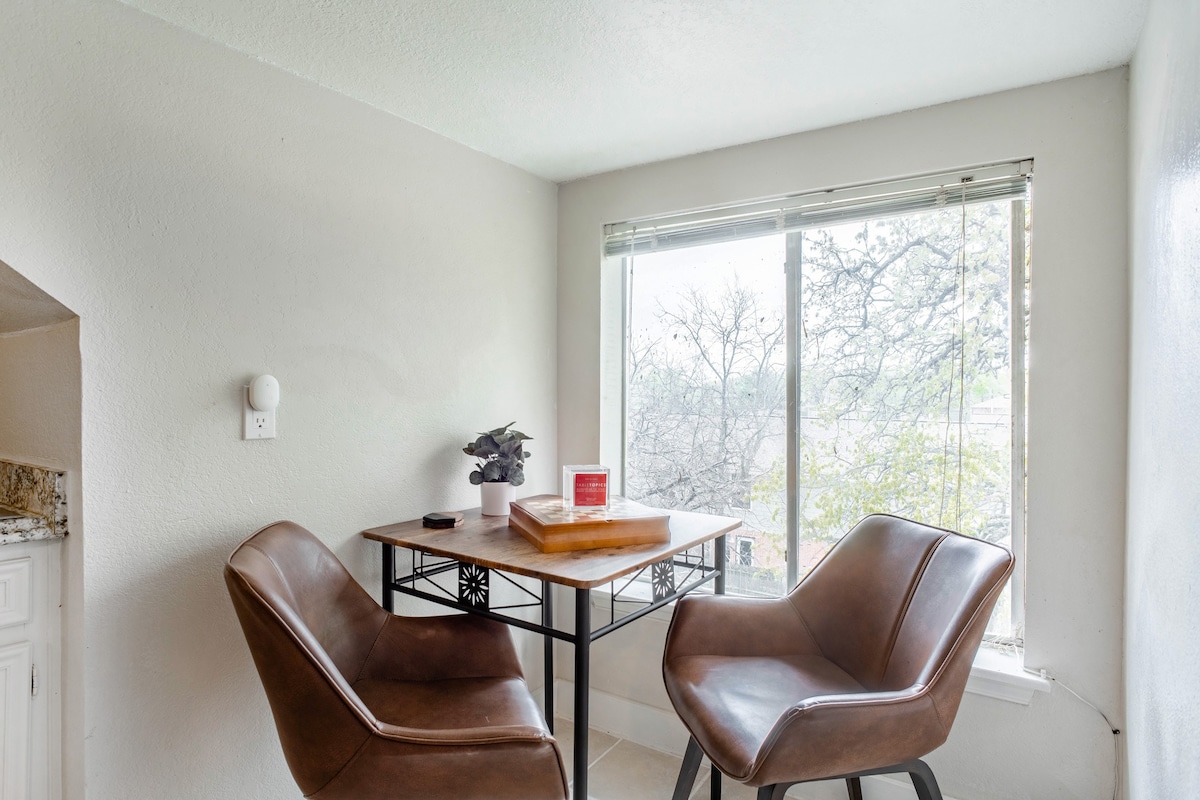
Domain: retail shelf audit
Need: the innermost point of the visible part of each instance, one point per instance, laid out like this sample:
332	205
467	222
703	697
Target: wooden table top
490	542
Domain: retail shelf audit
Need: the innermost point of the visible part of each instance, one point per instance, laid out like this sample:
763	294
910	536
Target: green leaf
475	478
485	447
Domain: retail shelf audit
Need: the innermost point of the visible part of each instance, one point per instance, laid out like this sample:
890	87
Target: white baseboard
661	730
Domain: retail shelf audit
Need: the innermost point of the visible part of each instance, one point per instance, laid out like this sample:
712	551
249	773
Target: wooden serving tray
543	522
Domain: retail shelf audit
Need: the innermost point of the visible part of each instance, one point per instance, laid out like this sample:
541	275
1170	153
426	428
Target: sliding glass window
803	363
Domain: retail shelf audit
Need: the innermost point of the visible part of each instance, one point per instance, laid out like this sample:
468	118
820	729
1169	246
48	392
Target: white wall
40	420
1076	132
1163	606
209	218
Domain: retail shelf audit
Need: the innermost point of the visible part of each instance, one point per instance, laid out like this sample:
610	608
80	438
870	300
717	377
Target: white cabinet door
16	595
29	596
16	661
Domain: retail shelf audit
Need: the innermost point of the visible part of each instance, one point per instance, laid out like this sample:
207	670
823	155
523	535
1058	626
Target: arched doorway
41	553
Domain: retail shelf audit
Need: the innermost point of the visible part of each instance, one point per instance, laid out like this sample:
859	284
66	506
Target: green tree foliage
905	330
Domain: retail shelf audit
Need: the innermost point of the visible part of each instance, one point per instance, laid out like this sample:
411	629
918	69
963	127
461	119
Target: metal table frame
473	596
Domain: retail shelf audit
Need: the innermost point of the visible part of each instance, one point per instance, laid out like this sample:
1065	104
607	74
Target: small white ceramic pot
496	497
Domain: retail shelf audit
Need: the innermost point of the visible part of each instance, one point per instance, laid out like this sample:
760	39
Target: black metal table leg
389	575
719	558
583	646
548	655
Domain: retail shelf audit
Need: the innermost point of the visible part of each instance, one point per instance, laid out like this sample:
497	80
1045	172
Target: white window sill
1003	676
994	674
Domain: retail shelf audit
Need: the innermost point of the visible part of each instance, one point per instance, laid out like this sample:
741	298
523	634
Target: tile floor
622	770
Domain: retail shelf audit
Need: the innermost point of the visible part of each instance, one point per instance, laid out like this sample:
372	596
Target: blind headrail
817	209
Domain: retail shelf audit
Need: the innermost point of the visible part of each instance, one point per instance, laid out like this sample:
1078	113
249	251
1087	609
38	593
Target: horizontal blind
818	209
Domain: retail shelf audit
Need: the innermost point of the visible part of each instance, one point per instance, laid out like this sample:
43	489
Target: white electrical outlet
256	424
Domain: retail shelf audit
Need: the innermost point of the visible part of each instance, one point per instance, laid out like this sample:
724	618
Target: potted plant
500	467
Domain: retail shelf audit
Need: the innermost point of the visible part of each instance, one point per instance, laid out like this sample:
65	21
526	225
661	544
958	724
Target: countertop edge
27	529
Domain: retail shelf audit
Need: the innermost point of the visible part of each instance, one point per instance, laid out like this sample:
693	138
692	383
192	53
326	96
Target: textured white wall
1162	648
209	218
1076	132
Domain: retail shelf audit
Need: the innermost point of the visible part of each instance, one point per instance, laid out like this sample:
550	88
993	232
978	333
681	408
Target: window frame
616	291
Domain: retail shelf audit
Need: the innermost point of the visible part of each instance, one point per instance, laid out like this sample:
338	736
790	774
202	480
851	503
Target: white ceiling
568	88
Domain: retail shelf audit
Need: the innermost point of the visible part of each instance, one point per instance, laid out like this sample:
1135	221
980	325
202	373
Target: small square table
487	546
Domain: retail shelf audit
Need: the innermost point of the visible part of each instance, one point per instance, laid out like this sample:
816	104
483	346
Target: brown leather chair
858	671
371	705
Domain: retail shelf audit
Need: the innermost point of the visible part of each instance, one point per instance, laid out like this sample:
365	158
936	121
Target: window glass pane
905	376
707	394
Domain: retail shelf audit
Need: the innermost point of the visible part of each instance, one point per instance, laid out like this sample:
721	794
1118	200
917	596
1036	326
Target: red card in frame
585	486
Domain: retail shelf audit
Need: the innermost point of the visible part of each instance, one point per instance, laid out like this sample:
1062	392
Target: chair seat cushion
451	704
731	703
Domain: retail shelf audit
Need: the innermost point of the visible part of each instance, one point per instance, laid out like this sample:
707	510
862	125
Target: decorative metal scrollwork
662	579
473	585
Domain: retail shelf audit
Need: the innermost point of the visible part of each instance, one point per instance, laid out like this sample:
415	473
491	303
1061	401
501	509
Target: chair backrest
897	603
310	627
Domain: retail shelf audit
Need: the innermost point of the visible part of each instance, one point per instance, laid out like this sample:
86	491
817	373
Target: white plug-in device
260	399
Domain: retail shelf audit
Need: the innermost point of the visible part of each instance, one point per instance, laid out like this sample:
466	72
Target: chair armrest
854	700
436	648
463	736
846	733
716	625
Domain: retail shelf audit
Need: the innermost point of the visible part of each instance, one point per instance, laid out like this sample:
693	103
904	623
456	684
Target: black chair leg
922	778
714	783
688	770
923	781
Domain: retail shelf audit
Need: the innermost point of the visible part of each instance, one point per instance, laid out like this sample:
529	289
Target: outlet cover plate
256	424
